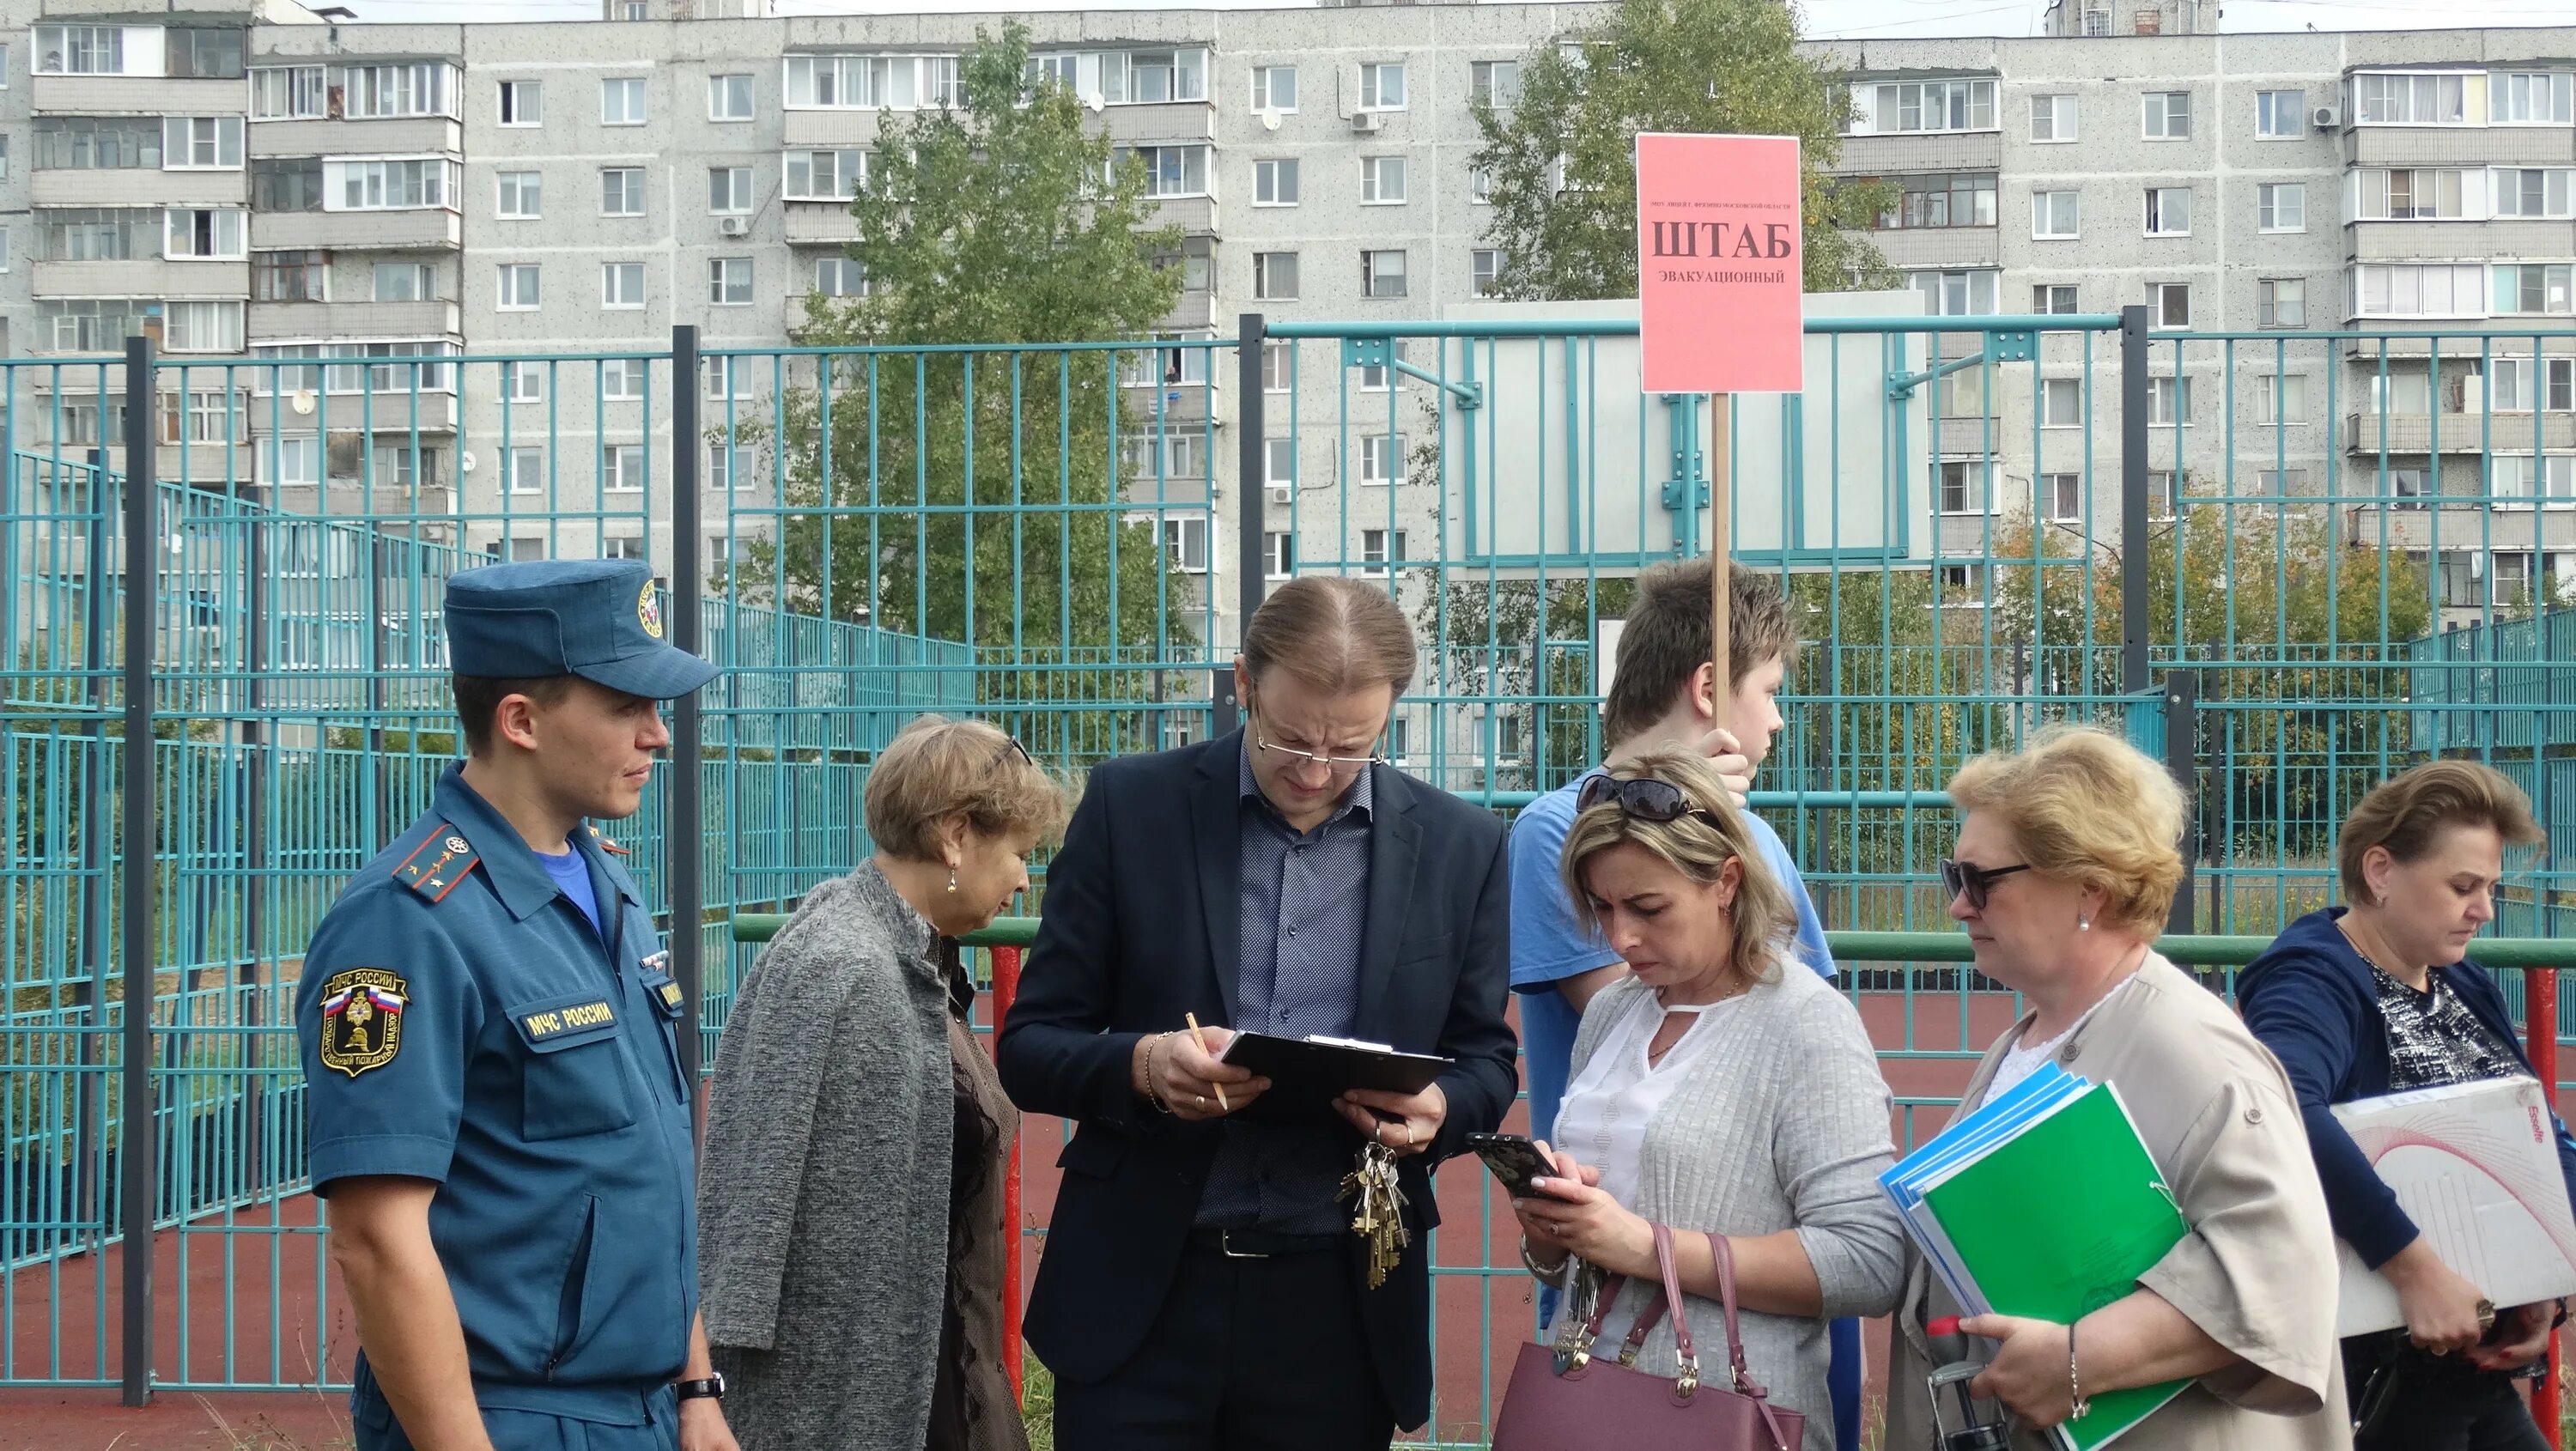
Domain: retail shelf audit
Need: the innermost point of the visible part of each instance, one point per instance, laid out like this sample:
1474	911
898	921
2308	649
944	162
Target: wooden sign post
1719	268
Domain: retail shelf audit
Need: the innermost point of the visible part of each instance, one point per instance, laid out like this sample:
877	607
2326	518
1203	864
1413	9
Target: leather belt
1260	1244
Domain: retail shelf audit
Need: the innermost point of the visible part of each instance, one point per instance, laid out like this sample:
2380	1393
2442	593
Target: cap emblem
649	611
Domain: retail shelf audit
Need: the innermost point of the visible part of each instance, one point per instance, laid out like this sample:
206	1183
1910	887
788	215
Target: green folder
2059	1221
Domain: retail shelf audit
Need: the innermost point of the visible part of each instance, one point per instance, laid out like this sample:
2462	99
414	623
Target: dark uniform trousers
1246	1355
658	1429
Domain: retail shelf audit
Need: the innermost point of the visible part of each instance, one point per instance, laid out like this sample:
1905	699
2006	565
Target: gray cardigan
823	1200
1780	1122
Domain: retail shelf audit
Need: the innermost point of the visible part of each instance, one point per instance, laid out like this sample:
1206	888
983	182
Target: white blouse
1606	1110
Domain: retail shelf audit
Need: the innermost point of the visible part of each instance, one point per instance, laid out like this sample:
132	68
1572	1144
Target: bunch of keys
1380	1219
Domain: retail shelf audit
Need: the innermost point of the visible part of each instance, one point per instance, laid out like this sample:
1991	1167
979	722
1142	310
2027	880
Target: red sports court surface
283	1343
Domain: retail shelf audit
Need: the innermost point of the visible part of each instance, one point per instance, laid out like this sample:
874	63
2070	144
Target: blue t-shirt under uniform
1550	945
573	875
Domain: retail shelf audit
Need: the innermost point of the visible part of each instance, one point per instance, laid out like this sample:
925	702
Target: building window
294	461
1274	276
1274	183
2053	297
2061	403
295	93
1279	467
826	176
621	101
284	184
622	468
621	380
373	186
523	470
2419	290
1278	555
2064	494
1274	88
2281	206
204	234
2533	192
1377	377
2160	494
1956	294
2411	195
97	143
2169	304
1963	485
1278	366
1893	107
1494	83
621	285
2052	118
1382	86
1382	274
202	53
2168	115
2281	398
621	546
518	286
2281	484
1380	549
1488	272
2519	480
2409	100
290	276
201	143
380	92
729	98
1966	200
405	281
2511	385
726	377
2280	115
729	281
2054	214
2533	288
1171	171
521	195
523	103
2168	402
523	382
1381	180
2281	302
840	277
1382	458
731	467
80	50
621	191
2168	211
2534	98
892	82
2460	581
728	190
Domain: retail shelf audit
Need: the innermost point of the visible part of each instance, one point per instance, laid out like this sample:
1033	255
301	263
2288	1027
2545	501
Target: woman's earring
952	883
2083	923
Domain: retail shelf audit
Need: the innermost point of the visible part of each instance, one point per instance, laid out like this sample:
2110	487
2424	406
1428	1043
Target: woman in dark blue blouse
2375	998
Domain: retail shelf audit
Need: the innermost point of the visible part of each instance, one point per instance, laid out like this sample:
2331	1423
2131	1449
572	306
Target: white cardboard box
2475	1165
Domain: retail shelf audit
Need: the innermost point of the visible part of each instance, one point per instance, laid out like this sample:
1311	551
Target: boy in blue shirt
1662	696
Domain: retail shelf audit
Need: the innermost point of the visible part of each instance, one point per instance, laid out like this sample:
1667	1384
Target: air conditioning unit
1368	122
733	226
2326	118
1278	492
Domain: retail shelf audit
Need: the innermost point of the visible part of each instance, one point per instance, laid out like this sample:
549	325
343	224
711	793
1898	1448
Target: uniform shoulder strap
600	838
436	865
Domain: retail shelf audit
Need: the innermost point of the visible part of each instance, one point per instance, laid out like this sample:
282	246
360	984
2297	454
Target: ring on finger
1199	1099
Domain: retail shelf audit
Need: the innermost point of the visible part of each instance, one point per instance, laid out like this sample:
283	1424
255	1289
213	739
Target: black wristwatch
710	1389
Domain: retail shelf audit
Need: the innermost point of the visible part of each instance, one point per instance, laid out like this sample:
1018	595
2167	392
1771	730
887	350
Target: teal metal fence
2289	589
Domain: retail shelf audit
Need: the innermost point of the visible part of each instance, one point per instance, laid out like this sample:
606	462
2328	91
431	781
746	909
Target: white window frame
1388	550
389	177
229	235
2272	303
1278	554
2162	203
2063	493
621	468
2055	109
1964	96
1970	281
731	468
2268	119
1265	282
2556	109
2048	208
1488	81
179	136
2061	403
737	201
1267	173
627	373
2168	401
1381	460
720	282
635	174
1374	76
848	178
1374	191
625	89
1278	365
507	291
836	264
514	191
306	93
1265	92
2557	192
523	382
1976	491
1155	181
2157	116
2557	289
2268	196
1486	270
720	91
2465	279
523	469
2159	315
101	49
2554	381
2373	90
2280	399
518	104
1372	275
614	297
2043	298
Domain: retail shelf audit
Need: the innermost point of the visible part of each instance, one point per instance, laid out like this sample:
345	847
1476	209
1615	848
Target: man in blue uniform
488	1023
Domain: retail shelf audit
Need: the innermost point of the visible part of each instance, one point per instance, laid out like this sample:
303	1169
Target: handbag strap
1745	1385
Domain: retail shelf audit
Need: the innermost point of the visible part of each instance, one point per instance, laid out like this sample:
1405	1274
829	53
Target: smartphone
1514	1160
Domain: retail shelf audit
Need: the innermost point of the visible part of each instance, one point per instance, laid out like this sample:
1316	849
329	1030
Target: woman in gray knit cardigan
1712	1091
850	1235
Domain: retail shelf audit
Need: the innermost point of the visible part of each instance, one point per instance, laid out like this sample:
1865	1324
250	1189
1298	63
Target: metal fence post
2540	1019
2133	499
1252	463
2182	759
684	825
137	1149
97	850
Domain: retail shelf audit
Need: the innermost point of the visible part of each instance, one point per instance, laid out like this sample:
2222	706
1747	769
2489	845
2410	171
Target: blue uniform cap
600	619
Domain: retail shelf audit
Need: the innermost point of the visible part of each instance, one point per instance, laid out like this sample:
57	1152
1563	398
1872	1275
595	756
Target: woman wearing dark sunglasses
1711	1091
2064	869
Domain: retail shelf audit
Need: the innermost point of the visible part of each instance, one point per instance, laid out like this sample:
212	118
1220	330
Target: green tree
974	496
1561	160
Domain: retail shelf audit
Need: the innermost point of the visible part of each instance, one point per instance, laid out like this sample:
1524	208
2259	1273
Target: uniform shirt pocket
574	1081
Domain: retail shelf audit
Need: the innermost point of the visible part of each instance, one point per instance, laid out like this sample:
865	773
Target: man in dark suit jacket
1200	1286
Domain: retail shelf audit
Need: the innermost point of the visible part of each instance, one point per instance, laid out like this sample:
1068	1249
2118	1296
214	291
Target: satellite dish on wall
303	401
1269	120
465	462
1093	102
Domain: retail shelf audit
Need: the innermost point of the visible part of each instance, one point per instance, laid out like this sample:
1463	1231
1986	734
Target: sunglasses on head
1642	798
1004	754
1969	880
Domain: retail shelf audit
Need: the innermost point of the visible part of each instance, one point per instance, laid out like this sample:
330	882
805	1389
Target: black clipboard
1319	1069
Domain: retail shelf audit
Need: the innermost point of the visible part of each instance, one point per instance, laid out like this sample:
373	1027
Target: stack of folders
2044	1203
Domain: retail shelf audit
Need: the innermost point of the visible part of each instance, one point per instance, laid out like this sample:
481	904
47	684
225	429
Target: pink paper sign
1719	260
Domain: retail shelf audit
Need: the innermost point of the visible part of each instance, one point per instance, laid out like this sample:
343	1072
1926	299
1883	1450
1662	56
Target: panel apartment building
253	180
